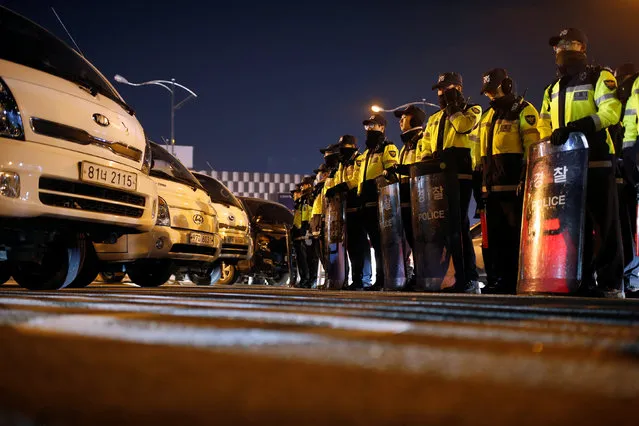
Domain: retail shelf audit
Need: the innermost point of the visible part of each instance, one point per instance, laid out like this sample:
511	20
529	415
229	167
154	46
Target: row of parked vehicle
82	190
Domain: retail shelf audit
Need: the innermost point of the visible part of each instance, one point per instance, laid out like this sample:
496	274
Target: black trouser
302	264
603	252
503	215
407	223
371	224
320	250
358	248
312	259
469	267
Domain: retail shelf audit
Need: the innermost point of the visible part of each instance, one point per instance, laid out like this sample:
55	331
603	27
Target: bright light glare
376	108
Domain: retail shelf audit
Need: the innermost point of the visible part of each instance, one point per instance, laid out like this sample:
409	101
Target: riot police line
554	190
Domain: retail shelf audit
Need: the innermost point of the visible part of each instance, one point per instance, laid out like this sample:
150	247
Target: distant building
269	186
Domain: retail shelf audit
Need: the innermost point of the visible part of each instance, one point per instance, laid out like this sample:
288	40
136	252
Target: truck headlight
164	217
10	184
10	118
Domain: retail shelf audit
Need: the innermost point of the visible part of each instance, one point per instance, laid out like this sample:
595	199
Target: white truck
74	160
185	237
235	229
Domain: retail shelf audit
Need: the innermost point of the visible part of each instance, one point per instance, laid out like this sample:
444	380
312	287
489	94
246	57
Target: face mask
332	161
570	62
374	138
442	101
346	154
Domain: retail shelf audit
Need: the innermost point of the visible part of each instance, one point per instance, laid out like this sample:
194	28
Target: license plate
200	238
108	176
234	240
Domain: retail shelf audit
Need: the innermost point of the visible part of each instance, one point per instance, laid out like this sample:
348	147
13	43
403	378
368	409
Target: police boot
469	287
375	287
355	286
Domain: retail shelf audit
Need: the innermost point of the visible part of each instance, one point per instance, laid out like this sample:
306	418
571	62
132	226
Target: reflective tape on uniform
602	98
628	144
464	177
528	131
597	121
545	116
554	95
500	188
632	111
599	164
580	88
636	92
473	138
620	181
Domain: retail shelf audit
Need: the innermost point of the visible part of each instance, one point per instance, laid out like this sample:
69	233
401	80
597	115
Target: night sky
278	80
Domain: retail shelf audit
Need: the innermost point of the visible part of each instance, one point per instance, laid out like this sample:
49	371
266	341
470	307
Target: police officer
506	130
380	155
347	180
449	134
312	260
625	142
584	99
317	212
411	122
298	236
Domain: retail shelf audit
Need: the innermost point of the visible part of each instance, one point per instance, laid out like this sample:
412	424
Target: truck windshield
28	44
218	192
166	166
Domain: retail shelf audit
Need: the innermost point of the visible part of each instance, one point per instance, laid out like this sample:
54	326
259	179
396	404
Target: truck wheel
229	274
89	271
60	265
211	277
112	277
5	272
150	274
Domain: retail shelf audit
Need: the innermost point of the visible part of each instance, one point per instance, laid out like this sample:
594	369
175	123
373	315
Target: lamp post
170	86
377	108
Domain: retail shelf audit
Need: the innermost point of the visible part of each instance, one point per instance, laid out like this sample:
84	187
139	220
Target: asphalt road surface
272	356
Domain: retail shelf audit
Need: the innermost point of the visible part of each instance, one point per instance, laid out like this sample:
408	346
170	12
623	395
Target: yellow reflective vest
457	131
591	93
631	117
504	138
372	164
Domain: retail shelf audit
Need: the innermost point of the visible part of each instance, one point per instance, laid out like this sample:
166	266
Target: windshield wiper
164	175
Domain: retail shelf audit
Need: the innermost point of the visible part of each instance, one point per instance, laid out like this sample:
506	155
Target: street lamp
170	86
377	108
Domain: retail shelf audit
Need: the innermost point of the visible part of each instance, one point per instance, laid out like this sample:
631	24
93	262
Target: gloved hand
330	192
390	173
454	101
560	136
436	155
584	125
403	169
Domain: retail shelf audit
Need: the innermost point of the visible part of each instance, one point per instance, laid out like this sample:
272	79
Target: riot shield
391	233
335	240
436	224
552	237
